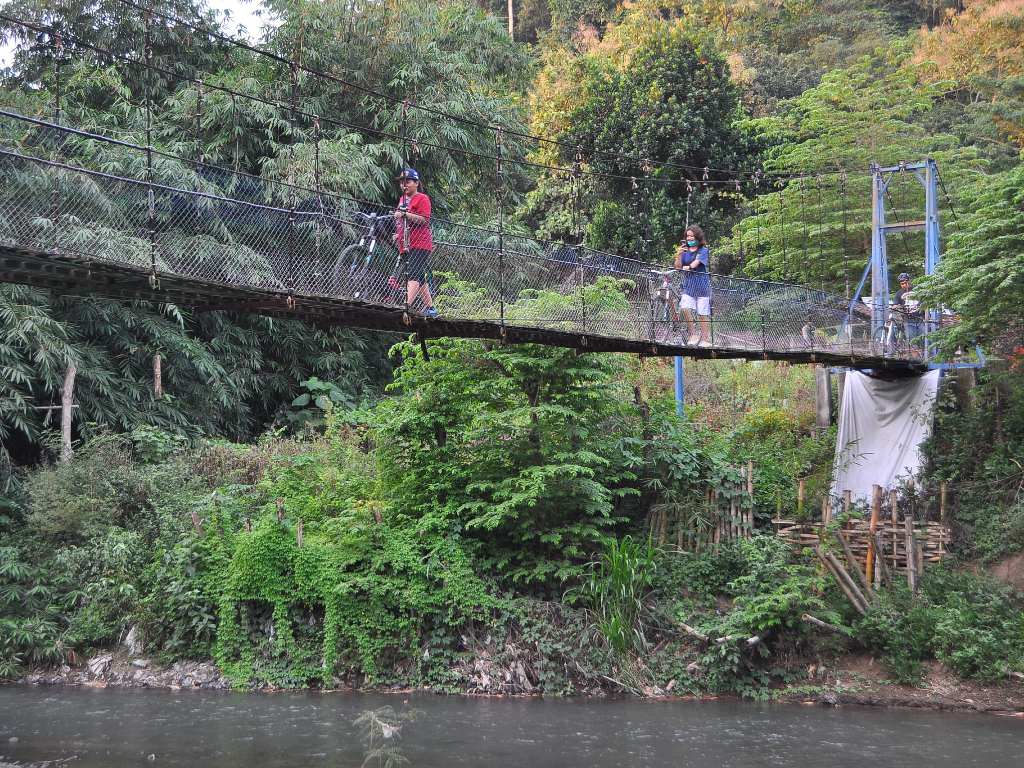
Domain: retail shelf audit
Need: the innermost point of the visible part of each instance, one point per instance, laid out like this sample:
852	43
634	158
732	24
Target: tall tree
812	224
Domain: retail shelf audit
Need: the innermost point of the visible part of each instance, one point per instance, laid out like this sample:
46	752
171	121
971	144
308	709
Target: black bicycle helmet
903	276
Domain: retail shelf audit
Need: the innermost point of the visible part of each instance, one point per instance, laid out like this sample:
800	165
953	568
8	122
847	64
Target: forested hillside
311	505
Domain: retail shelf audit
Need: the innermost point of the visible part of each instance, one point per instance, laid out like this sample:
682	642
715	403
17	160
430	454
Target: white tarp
881	427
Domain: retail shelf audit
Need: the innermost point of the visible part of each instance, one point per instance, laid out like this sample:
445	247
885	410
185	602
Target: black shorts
417	261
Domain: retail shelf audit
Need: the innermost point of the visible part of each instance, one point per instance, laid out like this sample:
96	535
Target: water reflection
115	729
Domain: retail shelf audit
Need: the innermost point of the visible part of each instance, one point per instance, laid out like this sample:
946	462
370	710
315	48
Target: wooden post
196	522
826	511
847	502
67	400
943	509
911	547
800	489
299	531
876	510
882	569
158	377
822	397
894	523
750	499
733	519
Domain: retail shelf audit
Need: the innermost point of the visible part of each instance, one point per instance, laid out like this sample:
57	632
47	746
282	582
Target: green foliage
967	622
816	230
979	450
83	498
101	581
518	449
768	596
654	90
318	399
616	589
31	627
982	274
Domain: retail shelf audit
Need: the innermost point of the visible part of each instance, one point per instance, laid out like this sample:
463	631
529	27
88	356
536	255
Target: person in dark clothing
904	301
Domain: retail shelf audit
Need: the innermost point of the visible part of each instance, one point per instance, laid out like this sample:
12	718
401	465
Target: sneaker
692	341
704	343
430	312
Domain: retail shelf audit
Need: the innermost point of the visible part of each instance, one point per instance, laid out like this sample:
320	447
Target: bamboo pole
943	510
882	569
750	498
718	517
67	398
823	624
842	578
893	506
158	377
854	565
911	548
876	508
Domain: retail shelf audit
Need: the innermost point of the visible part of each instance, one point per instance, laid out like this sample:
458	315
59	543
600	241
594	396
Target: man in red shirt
412	235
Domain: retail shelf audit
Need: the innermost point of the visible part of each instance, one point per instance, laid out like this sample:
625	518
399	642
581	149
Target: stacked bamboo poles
727	515
879	544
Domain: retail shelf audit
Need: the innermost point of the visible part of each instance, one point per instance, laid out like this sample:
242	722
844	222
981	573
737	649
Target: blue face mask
691	243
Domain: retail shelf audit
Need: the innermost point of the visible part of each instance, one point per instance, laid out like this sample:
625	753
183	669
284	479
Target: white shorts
702	304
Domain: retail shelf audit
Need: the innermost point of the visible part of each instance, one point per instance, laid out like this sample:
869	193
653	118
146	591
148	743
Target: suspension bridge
88	212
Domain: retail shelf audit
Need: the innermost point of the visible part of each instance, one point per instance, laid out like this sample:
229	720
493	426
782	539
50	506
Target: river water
119	728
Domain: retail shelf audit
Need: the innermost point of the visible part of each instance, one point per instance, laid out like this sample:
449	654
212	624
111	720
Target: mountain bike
356	273
665	320
892	336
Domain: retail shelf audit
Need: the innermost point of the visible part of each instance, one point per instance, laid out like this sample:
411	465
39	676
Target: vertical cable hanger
757	224
499	179
198	128
782	223
318	234
803	219
294	126
58	50
647	212
821	235
235	132
577	191
846	246
147	55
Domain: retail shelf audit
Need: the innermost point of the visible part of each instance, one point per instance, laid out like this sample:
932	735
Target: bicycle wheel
348	263
880	335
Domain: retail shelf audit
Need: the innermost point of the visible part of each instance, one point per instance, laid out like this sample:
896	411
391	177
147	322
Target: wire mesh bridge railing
83	213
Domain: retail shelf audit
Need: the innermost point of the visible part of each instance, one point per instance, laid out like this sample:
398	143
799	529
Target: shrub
616	589
969	623
82	498
31	624
100	580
